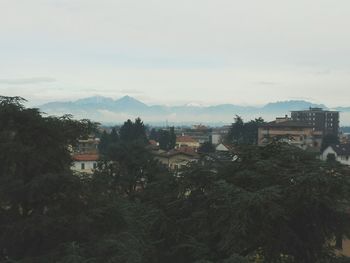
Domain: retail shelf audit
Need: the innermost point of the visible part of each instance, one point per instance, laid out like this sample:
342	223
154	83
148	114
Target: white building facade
340	152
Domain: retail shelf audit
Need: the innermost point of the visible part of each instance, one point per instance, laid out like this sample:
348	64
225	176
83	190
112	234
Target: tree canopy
273	204
244	133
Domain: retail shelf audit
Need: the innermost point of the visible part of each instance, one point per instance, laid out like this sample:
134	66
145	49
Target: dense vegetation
273	204
244	133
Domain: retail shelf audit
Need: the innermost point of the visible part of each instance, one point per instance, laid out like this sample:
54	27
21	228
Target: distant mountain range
109	111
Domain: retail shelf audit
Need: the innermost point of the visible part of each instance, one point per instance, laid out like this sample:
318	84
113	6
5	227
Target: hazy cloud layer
23	81
203	51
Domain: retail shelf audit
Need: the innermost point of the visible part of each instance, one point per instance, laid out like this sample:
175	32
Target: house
219	134
85	163
175	159
87	146
199	133
340	153
297	133
152	145
186	141
224	148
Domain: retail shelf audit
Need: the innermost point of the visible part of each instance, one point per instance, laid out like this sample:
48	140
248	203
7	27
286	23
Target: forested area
273	204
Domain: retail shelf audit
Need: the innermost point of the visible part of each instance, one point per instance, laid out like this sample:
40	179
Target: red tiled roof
85	157
185	138
186	149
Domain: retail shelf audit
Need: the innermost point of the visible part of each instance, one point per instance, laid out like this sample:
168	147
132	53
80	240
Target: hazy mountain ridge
106	109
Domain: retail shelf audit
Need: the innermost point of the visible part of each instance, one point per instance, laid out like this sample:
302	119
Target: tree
50	214
272	204
104	143
154	135
37	186
328	140
206	147
244	133
167	139
132	131
277	203
172	139
107	141
126	131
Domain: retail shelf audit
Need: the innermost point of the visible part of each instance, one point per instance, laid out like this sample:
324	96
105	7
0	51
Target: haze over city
182	131
176	52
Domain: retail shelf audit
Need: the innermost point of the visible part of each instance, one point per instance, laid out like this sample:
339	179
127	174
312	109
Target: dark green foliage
132	131
206	147
153	135
165	137
38	192
244	133
276	204
107	141
172	140
328	140
128	166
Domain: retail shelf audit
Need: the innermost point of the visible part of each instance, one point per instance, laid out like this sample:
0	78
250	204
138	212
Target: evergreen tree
244	133
328	140
127	131
206	147
132	131
274	204
104	142
154	135
167	139
37	187
172	138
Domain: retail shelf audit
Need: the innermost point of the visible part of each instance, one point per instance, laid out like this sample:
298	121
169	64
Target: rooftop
287	123
85	157
185	138
314	110
341	149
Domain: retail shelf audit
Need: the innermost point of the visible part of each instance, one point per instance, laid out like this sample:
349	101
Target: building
200	133
344	138
339	152
321	120
186	141
85	155
85	163
294	132
219	134
87	146
175	160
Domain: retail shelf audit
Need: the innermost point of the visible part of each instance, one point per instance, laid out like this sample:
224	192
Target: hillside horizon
109	110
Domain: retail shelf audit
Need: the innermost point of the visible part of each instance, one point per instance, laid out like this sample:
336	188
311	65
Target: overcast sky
245	52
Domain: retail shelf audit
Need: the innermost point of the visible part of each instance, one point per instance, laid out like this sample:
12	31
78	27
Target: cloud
26	81
131	91
267	83
322	72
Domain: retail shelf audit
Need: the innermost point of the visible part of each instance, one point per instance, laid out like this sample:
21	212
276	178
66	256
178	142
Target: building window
82	166
95	165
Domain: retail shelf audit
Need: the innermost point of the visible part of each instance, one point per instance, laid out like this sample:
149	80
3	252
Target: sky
176	52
